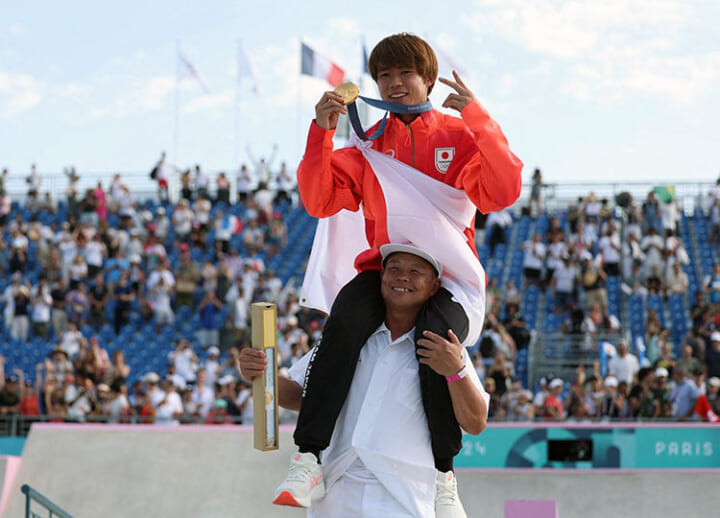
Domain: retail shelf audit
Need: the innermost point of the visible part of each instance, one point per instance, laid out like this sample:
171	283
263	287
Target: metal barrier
561	353
31	495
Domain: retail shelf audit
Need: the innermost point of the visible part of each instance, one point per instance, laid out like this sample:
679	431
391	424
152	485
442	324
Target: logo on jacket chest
443	157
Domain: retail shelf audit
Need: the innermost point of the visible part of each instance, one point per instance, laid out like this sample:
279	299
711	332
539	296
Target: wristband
460	375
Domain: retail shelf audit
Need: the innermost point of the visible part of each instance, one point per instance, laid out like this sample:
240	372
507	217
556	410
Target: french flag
313	64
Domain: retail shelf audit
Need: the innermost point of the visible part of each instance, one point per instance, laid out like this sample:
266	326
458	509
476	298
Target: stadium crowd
96	264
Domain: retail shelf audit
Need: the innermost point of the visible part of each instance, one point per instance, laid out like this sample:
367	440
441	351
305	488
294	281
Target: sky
586	90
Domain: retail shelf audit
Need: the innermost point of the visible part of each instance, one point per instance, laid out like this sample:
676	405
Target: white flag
187	69
246	68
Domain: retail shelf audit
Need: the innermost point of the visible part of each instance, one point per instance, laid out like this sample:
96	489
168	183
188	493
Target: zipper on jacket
412	141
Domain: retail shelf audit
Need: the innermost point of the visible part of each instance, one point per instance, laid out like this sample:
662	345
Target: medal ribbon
382	105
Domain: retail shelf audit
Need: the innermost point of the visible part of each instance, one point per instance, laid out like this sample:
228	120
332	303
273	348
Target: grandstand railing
32	495
559	195
19	426
555	195
560	354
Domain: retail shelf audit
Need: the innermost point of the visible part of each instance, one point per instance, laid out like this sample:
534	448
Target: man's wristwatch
460	375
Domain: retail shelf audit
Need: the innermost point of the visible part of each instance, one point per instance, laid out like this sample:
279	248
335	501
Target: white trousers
349	498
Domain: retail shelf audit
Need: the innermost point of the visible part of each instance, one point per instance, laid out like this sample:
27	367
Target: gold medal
348	91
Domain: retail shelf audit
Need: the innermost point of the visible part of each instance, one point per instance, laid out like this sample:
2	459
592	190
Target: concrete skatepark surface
213	471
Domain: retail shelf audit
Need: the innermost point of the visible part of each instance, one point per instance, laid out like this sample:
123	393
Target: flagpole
236	140
298	132
176	135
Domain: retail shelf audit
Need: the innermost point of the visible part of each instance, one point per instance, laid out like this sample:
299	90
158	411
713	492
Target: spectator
202	208
696	342
535	194
169	409
714	217
276	235
80	398
33	181
557	249
713	394
41	300
496	225
219	413
534	256
119	371
203	395
564	285
10	388
209	276
253	236
78	304
593	282
540	395
208	308
612	403
98	296
517	328
262	166
78	271
609	246
30	393
119	406
594	395
202	184
124	296
511	294
161	174
711	285
186	280
667	357
88	209
684	396
653	247
623	366
160	295
223	189
226	225
284	184
185	361
651	213
676	281
186	186
500	371
182	220
495	409
244	183
553	408
211	365
153	391
712	356
239	313
20	327
687	361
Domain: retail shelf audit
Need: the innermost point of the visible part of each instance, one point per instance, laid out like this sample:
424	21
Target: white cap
714	381
556	382
151	377
611	381
661	372
392	248
228	378
213	350
715	337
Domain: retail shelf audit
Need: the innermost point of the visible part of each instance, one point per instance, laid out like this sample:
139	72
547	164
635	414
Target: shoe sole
286	498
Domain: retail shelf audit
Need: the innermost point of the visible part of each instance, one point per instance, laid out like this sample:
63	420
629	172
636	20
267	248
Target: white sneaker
304	482
447	500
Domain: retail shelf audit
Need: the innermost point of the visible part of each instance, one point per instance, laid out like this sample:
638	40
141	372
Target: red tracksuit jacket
471	154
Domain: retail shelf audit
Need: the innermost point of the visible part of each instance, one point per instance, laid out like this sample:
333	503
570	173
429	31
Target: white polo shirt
383	424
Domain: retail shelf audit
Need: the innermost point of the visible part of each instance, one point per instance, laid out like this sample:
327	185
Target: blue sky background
587	90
